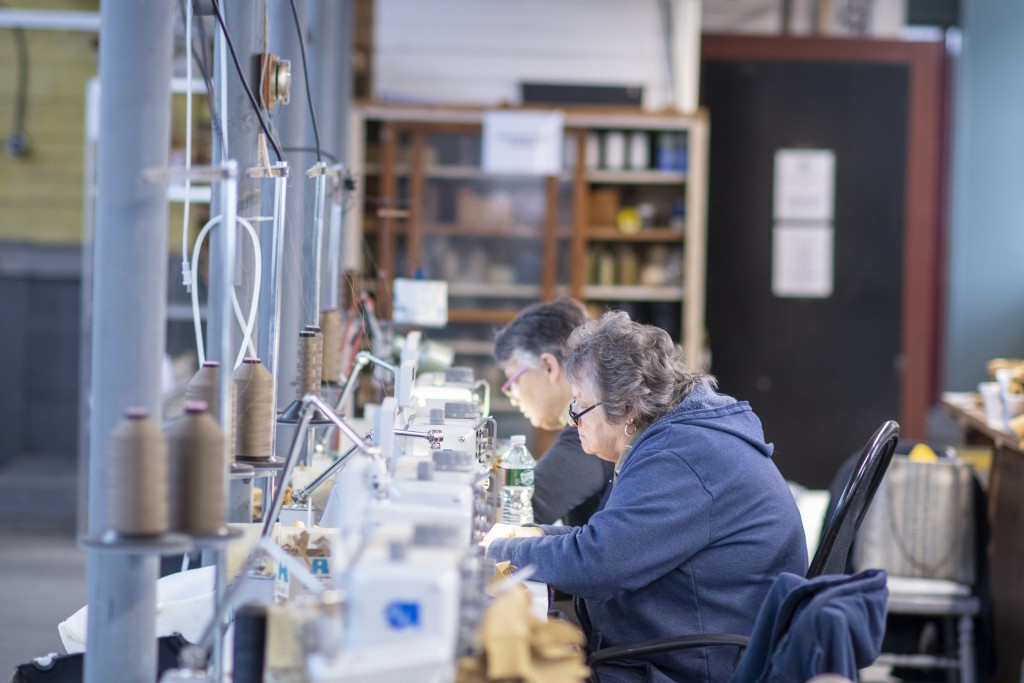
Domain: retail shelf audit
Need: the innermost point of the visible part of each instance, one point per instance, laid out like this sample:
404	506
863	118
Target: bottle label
518	477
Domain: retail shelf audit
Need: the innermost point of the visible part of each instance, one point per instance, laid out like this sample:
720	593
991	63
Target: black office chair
830	558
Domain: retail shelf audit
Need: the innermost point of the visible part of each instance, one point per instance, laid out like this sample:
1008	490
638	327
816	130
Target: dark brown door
822	373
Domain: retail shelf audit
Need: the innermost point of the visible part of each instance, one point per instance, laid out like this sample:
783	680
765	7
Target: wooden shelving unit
504	241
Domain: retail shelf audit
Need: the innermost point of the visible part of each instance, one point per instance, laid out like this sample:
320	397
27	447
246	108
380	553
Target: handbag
921	523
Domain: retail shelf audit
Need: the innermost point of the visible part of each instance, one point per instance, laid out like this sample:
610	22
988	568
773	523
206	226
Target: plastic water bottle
517	483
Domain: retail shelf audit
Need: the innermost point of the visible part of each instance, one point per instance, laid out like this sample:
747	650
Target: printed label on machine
402	615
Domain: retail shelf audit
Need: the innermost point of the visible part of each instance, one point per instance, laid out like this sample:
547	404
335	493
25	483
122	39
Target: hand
509	531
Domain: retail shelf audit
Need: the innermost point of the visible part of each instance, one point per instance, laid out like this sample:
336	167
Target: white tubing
246	324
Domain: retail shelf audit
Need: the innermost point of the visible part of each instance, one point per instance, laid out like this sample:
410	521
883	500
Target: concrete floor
42	582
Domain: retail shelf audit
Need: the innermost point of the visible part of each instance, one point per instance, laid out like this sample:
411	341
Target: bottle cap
518	439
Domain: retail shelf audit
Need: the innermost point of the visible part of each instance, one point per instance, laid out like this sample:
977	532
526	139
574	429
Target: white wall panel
480	50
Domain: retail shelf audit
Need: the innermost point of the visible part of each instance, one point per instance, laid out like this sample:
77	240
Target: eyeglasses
506	388
574	417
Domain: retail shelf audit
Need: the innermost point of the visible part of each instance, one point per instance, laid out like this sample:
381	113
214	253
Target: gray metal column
291	125
344	77
245	22
330	45
129	310
322	53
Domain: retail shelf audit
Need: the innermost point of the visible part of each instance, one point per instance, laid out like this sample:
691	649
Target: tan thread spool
137	476
318	355
330	326
204	387
195	472
254	410
306	380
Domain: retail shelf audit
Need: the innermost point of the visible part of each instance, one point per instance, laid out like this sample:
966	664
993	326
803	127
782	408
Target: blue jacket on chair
828	624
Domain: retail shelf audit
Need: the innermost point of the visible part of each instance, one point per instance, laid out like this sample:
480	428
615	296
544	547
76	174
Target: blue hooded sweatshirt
697	526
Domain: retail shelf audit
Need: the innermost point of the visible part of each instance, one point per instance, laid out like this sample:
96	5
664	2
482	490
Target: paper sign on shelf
420	302
526	142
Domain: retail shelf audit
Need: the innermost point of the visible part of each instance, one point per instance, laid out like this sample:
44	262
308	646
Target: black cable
330	157
305	76
245	84
17	144
200	61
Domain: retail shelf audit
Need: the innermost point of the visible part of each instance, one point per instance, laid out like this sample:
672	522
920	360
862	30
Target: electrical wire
17	144
305	76
245	84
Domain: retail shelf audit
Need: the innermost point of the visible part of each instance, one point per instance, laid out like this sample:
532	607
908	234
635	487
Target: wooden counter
1006	517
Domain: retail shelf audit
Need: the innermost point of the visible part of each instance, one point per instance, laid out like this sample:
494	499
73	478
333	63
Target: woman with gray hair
530	350
699	521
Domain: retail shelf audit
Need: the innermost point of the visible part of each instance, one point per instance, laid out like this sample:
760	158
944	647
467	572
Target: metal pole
129	311
291	127
329	72
244	20
315	244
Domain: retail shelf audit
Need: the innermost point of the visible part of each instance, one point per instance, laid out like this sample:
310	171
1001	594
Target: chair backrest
841	527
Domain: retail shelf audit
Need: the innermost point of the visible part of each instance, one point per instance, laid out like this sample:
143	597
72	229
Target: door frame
926	184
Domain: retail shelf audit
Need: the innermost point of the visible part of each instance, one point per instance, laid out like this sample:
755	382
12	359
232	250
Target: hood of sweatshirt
705	407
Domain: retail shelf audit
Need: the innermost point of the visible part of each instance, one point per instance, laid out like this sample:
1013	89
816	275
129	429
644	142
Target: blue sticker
402	615
320	566
282	572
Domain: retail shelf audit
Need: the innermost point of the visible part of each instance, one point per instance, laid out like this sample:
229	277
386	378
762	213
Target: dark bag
70	668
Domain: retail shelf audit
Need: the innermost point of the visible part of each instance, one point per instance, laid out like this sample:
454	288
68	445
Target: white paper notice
527	142
805	181
802	261
420	302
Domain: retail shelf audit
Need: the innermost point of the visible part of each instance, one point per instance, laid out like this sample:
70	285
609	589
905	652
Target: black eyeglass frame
574	417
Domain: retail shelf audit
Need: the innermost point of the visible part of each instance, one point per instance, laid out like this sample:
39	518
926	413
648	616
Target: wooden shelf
518	232
493	290
469	347
633	293
490	316
463	172
409	174
599	177
460	230
606	234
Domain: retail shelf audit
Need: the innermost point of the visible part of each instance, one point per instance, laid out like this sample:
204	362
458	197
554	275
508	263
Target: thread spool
137	476
306	380
318	354
254	410
204	387
195	472
330	326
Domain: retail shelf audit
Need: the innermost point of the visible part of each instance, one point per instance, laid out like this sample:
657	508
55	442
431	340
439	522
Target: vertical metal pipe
291	126
129	310
245	22
344	80
323	54
228	191
330	45
314	247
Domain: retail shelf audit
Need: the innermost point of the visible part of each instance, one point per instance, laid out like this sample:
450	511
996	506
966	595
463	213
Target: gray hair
538	329
636	371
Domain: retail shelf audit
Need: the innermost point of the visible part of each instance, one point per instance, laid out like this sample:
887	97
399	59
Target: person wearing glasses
569	484
699	521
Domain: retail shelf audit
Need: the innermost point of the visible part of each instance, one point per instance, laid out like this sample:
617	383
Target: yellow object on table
516	646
